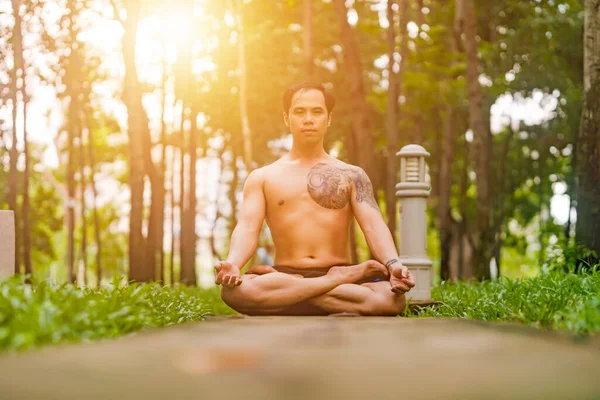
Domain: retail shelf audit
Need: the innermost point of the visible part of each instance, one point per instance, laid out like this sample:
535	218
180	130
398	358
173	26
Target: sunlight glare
229	20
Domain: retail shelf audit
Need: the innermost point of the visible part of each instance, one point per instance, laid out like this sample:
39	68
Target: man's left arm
377	234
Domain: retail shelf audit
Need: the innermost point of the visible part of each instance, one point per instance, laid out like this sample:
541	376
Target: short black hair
289	94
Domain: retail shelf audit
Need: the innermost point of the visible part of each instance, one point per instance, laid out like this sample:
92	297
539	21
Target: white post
7	244
413	191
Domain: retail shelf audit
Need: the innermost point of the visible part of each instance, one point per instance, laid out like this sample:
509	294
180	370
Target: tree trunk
92	165
363	135
541	204
82	184
70	201
588	151
26	174
136	127
308	34
218	214
351	149
465	268
153	240
417	135
154	236
392	125
246	131
449	138
72	86
173	205
162	173
481	146
445	187
419	5
571	192
188	264
403	32
182	199
17	45
233	189
505	186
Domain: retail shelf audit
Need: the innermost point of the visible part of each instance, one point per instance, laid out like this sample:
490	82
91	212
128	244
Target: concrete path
313	358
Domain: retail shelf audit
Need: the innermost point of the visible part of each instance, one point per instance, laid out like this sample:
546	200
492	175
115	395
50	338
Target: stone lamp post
413	191
7	244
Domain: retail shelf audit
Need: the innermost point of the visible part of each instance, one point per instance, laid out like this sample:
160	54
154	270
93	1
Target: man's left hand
401	279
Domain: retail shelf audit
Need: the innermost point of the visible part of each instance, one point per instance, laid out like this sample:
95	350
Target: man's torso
309	213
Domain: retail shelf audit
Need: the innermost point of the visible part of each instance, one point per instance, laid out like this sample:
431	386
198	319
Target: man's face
307	118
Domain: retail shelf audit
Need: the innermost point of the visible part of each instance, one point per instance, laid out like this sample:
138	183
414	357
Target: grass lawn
40	314
554	300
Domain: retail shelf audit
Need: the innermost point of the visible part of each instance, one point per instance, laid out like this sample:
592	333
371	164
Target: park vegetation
127	128
560	299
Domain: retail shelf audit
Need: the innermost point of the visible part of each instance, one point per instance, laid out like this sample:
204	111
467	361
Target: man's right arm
244	239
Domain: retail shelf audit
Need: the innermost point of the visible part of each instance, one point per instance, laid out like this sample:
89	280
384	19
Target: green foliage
526	48
42	314
553	300
571	257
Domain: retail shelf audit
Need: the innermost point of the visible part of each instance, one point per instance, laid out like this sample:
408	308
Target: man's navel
281	202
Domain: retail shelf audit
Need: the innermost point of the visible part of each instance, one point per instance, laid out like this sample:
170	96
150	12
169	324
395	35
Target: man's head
307	110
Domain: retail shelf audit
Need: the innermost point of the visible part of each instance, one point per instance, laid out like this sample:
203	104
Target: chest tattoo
330	186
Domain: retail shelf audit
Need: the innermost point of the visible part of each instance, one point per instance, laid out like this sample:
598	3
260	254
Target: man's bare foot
367	270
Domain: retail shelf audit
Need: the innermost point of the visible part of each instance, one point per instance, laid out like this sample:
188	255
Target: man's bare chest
324	186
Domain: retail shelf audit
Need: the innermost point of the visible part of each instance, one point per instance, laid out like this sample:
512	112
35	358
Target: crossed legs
276	293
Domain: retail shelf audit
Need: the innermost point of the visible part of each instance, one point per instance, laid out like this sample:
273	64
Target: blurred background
127	127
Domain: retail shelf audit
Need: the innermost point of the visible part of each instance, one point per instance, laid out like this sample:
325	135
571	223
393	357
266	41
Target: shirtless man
309	200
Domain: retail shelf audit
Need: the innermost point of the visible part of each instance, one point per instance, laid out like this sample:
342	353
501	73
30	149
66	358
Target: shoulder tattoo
364	189
330	186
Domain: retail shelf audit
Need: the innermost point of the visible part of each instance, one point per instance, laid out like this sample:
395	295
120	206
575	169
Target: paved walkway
313	358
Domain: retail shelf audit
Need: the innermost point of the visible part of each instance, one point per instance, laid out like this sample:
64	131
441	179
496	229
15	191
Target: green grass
40	314
553	300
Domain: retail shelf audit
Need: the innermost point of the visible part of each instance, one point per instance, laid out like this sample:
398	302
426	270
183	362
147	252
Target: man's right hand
228	274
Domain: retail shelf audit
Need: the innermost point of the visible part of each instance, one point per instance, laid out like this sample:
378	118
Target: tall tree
188	239
26	180
163	167
92	165
308	39
588	156
185	90
419	9
25	215
392	123
17	72
131	94
137	127
73	79
172	206
238	12
449	138
362	134
83	209
183	199
481	145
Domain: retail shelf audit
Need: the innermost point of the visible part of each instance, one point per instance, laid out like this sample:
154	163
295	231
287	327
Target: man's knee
244	297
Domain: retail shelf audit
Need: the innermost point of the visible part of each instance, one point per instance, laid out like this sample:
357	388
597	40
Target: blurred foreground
314	358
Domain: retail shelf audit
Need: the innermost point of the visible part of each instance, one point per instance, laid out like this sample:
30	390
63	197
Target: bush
569	257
